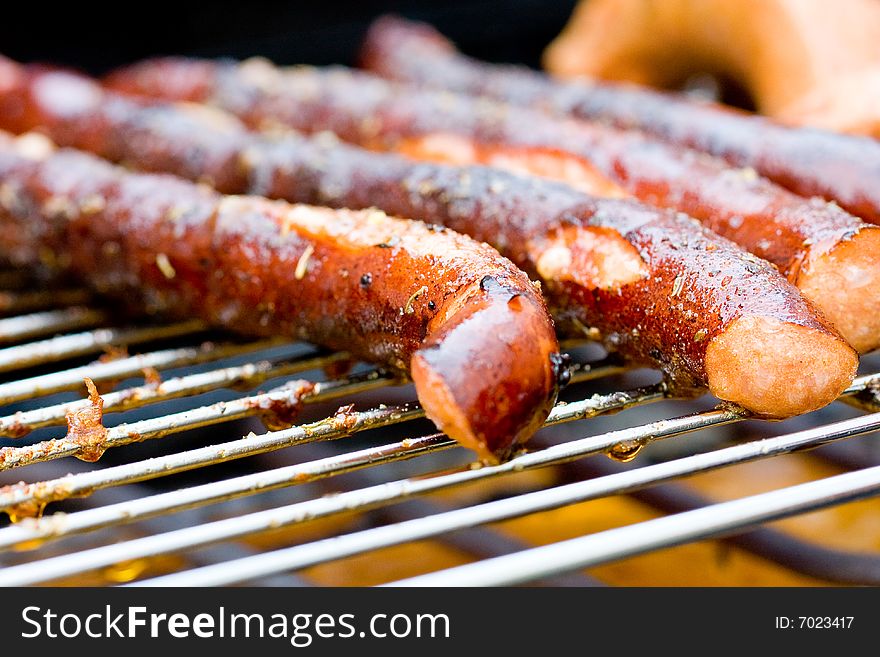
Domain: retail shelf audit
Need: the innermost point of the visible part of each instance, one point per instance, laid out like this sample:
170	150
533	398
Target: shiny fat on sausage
469	328
808	161
832	256
653	284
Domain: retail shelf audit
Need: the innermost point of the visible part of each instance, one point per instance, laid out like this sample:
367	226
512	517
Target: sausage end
845	284
443	410
778	369
493	397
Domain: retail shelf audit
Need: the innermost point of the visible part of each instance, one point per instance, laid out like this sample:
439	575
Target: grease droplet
625	451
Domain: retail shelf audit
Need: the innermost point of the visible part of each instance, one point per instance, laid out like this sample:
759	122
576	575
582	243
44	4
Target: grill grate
132	519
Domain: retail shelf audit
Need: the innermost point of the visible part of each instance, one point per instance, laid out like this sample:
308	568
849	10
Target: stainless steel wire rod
337	426
72	379
354	500
250	374
37	324
347	545
79	344
668	531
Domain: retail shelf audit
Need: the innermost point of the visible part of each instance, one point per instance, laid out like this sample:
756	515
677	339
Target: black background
97	37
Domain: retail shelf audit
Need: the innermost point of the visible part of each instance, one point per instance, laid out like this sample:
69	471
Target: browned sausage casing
832	256
470	328
810	162
656	285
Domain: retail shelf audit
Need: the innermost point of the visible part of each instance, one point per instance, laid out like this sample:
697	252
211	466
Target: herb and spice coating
832	256
468	326
655	285
808	161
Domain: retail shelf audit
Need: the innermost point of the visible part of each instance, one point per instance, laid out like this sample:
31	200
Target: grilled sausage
810	162
470	328
655	285
831	255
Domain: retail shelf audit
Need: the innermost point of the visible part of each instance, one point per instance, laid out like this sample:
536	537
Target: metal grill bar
29	499
360	499
72	379
24	327
479	542
330	549
192	537
287	398
79	344
865	400
47	528
250	374
283	400
41	494
801	555
344	424
614	544
63	525
128	570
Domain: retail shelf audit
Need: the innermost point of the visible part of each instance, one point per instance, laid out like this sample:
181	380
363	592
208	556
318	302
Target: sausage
809	162
832	256
655	285
468	327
